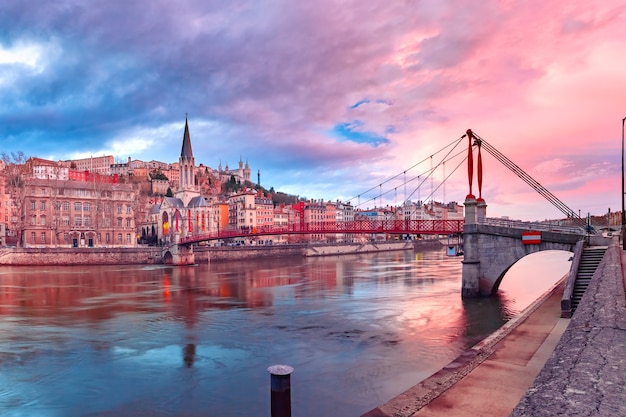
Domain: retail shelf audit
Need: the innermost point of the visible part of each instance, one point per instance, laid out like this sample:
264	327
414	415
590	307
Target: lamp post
623	209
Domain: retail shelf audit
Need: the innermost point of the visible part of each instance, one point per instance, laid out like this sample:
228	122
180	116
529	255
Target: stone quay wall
225	253
80	256
154	255
585	374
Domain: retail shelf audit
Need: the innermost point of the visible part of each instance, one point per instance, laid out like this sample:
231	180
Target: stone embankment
154	255
81	256
585	374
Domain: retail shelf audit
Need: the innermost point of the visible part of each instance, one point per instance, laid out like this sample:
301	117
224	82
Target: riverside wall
215	254
80	256
585	374
147	255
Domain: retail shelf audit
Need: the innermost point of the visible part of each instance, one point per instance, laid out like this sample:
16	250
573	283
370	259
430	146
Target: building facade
77	214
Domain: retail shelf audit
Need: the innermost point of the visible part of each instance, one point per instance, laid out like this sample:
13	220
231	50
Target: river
196	341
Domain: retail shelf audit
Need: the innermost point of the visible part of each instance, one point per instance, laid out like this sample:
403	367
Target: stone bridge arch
490	251
178	254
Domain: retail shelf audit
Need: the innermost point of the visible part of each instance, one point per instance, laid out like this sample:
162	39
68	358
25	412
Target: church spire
186	151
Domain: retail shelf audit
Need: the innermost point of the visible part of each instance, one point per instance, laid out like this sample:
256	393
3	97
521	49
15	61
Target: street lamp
623	209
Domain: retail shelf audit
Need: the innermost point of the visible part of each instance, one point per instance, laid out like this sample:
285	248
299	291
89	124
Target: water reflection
196	340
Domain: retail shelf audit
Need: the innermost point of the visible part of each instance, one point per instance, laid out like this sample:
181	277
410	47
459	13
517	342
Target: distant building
44	169
99	164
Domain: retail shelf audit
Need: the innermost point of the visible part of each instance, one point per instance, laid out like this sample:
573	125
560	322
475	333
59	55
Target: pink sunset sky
329	98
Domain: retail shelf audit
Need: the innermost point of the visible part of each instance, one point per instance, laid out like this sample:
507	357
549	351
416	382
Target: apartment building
76	214
45	169
344	214
242	210
99	164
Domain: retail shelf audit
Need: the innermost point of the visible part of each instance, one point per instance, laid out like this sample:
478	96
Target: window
119	238
33	237
33	205
43	237
33	220
42	220
66	206
77	206
128	238
119	209
65	221
128	209
42	205
56	205
128	222
86	207
78	221
87	220
108	237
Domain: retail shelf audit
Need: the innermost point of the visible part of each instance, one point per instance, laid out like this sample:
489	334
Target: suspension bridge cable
455	143
446	178
426	175
462	152
430	172
529	180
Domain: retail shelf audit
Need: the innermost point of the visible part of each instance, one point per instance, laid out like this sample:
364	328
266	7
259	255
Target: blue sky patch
351	131
358	103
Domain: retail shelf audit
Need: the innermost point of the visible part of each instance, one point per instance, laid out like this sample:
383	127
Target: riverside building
76	214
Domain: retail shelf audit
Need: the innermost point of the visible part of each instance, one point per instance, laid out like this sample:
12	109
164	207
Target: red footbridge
392	227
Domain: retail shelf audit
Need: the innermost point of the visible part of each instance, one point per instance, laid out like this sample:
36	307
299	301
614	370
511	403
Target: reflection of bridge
391	227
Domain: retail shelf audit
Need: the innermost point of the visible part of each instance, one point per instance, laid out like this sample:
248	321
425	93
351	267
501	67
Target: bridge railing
539	226
432	227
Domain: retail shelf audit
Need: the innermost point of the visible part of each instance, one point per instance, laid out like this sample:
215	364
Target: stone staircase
589	262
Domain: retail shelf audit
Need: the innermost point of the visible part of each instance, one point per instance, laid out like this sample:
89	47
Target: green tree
158	175
169	193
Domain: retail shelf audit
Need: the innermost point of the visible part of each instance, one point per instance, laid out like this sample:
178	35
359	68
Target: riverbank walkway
538	364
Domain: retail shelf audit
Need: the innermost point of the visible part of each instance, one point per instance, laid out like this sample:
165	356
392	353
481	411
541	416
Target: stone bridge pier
489	251
177	254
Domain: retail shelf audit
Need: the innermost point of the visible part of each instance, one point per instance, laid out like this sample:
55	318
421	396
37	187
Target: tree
17	176
169	193
158	175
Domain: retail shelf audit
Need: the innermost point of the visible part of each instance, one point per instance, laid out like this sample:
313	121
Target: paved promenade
585	375
538	364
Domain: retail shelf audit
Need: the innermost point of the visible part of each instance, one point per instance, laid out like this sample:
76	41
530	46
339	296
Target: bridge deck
431	227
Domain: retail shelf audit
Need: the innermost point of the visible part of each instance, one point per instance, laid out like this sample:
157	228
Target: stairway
589	262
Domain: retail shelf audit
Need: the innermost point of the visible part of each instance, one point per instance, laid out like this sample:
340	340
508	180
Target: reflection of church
187	212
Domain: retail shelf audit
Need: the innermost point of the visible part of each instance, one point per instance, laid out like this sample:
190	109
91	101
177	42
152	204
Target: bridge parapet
540	226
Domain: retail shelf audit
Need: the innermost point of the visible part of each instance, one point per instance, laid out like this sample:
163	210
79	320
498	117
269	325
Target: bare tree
17	177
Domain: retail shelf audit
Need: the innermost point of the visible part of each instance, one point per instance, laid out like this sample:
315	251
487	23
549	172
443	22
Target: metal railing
539	226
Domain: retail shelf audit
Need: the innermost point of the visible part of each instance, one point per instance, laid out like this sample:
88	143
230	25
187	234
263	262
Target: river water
196	341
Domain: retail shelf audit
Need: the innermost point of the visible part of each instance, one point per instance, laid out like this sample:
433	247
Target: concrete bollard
280	390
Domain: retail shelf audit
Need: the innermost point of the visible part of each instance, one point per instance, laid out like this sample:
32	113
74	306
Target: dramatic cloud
329	98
